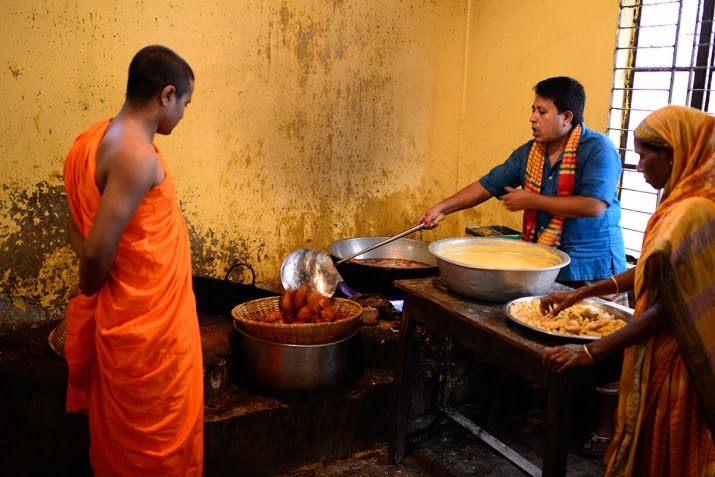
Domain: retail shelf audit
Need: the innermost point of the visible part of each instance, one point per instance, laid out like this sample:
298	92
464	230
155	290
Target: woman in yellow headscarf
666	411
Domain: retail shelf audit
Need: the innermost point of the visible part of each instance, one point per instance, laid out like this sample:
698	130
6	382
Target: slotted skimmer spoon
317	270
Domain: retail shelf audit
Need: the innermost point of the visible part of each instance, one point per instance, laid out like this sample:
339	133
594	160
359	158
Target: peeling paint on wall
311	121
15	72
35	260
214	254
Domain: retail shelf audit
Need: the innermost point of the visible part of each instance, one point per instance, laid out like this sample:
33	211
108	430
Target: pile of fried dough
301	306
579	319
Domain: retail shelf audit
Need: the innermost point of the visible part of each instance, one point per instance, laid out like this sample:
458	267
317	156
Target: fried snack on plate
578	320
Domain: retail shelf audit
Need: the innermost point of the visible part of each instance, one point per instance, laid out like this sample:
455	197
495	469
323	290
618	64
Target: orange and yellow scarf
567	181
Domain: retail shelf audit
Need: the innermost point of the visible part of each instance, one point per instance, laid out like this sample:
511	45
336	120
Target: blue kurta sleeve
509	174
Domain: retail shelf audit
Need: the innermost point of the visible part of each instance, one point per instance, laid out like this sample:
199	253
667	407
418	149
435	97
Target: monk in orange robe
133	345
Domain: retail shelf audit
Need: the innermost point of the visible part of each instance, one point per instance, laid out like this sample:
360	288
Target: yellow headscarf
689	132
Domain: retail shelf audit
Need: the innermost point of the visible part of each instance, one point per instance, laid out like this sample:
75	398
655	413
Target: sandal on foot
595	446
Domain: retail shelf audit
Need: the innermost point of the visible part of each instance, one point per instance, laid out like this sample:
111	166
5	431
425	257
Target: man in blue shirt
586	217
569	175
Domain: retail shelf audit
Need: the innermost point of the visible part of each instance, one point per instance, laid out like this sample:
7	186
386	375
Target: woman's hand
559	301
560	358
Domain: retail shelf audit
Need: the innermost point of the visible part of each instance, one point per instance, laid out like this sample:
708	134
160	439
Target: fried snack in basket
579	320
252	316
301	306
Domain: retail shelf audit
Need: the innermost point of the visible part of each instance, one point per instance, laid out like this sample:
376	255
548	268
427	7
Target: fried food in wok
579	319
390	263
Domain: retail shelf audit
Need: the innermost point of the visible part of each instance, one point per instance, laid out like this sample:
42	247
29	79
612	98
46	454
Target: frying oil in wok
390	263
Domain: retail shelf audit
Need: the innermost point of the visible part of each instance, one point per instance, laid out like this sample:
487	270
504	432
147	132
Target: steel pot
370	279
290	367
493	283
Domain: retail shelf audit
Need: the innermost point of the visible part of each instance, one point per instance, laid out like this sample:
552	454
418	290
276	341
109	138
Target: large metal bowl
369	279
497	284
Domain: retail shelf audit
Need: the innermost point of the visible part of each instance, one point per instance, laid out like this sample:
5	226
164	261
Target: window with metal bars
664	55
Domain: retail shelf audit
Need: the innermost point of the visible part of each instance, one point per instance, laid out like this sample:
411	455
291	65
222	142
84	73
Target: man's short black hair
567	95
153	68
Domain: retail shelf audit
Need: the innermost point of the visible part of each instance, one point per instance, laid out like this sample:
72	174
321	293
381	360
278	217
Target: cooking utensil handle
380	244
233	267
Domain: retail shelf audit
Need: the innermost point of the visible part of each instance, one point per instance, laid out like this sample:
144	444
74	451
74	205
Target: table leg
557	423
405	367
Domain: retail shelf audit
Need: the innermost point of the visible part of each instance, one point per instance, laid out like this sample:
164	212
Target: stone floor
455	453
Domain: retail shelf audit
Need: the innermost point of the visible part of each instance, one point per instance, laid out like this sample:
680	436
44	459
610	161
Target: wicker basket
57	337
248	314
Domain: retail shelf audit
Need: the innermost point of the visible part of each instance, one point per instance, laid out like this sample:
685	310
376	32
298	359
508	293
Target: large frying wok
215	298
218	297
370	279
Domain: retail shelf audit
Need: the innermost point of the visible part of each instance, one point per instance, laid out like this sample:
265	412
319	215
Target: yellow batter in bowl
509	257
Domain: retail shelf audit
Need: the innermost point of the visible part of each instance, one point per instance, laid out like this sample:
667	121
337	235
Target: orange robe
134	348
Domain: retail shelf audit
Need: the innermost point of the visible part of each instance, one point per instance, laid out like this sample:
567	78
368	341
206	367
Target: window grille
664	55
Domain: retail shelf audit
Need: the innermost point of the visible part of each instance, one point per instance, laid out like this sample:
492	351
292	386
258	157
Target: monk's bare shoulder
126	153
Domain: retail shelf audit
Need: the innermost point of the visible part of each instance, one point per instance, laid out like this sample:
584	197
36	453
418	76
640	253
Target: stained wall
311	121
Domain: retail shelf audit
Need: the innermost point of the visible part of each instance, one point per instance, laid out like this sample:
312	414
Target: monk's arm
76	237
127	181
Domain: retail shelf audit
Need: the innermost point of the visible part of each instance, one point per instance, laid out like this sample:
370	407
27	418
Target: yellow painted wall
514	44
312	121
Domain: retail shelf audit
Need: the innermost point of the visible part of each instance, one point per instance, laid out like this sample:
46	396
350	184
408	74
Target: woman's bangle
615	283
588	353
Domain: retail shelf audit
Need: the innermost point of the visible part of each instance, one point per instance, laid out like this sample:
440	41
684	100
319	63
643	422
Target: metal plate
618	311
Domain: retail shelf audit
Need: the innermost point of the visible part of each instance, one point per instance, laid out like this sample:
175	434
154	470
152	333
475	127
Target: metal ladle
317	270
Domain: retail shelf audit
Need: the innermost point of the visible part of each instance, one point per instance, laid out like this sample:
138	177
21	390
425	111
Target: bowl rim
423	246
377	239
241	329
565	259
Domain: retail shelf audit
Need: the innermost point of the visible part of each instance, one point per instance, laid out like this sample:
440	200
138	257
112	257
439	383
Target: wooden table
484	328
